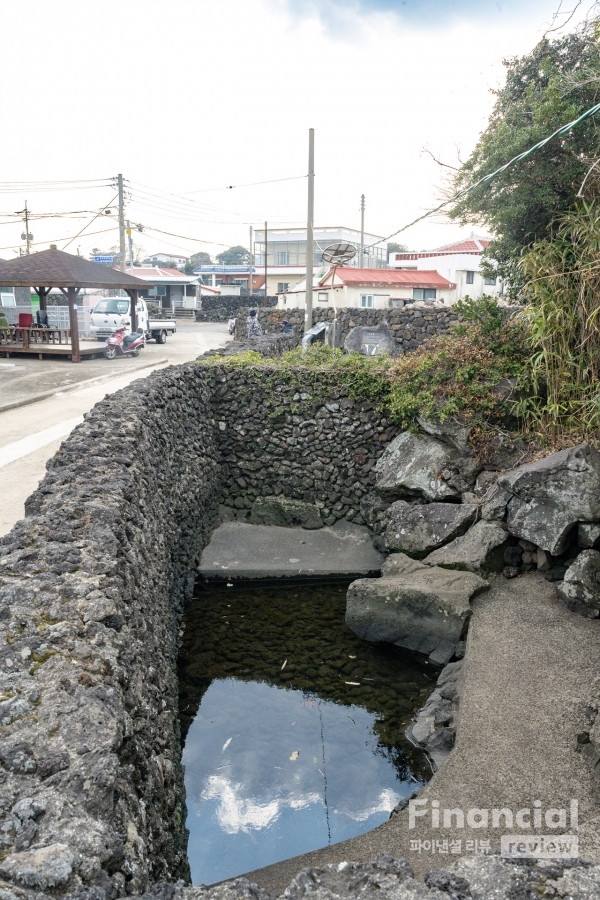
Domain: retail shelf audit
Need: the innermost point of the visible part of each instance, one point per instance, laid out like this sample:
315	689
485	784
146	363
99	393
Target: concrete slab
240	550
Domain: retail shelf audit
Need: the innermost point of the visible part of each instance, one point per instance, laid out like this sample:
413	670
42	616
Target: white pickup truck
115	312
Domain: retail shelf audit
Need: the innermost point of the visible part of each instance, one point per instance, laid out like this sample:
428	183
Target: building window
424	293
283	257
489	281
282	287
470	277
323	297
366	300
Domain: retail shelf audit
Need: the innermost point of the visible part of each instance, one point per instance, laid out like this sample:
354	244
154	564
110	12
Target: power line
564	129
230	187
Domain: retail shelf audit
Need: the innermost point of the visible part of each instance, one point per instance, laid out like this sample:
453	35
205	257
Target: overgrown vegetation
563	293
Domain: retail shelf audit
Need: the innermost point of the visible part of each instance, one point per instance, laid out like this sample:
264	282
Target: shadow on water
293	727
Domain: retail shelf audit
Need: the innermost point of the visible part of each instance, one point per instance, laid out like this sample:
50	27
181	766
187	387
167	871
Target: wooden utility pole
121	222
266	250
361	258
250	263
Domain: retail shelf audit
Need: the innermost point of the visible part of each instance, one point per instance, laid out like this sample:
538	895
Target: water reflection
293	728
255	753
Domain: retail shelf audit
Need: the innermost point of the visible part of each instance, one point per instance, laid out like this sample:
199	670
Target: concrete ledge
241	551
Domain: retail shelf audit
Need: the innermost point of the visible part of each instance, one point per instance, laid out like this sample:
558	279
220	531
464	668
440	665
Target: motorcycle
120	344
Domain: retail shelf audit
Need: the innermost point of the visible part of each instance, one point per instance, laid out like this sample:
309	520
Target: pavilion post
43	295
134	298
71	296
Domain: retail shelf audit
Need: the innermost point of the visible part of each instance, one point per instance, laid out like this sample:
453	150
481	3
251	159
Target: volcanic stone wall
298	435
92	585
226	306
411	326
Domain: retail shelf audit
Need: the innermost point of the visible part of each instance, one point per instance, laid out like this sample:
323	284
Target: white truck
115	312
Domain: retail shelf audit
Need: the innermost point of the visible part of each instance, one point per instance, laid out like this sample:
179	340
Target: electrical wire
91	222
230	187
55	240
564	129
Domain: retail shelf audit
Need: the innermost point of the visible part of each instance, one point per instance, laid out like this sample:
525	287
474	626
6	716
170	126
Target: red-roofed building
459	262
371	289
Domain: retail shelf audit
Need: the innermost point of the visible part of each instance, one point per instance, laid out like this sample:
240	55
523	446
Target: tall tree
235	256
393	247
549	87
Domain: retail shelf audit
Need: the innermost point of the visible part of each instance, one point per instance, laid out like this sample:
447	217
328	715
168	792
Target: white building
371	289
459	262
162	259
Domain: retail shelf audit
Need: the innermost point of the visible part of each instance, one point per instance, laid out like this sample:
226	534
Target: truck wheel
110	352
161	337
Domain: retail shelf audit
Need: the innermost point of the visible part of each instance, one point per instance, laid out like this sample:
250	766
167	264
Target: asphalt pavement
41	401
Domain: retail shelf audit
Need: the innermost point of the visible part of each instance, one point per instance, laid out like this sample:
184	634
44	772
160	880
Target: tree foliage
235	256
549	87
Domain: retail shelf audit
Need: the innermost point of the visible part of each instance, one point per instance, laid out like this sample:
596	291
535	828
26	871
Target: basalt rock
580	590
480	550
418	607
371	341
286	512
434	727
417	529
413	465
551	495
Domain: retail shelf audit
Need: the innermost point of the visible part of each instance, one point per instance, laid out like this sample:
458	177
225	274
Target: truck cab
111	313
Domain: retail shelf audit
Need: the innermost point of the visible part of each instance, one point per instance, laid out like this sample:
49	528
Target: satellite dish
338	254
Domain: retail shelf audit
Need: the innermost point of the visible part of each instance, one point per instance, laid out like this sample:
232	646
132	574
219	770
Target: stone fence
411	326
227	306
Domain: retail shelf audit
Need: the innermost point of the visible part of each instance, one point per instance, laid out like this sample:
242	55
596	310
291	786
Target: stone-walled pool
293	726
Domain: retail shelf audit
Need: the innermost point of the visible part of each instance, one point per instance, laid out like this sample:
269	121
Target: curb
43	395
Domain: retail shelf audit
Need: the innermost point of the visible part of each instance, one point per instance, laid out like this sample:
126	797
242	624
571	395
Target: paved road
31	434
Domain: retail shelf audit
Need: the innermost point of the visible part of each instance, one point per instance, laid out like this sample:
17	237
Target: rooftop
55	268
389	278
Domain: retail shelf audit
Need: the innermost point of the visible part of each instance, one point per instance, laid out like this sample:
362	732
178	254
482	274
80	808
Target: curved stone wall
91	586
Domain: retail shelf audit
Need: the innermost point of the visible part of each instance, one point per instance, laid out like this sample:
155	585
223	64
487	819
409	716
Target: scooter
120	344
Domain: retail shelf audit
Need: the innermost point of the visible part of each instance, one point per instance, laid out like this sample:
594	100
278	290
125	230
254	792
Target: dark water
293	727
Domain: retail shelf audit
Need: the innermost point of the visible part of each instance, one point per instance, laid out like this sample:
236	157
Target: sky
205	106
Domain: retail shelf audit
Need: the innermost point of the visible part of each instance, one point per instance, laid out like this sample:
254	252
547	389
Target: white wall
454	267
351	297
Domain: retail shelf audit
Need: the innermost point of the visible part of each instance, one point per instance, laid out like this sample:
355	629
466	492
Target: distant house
232	280
371	289
163	259
459	262
172	289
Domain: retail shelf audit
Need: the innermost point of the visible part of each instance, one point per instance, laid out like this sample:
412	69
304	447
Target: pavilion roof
55	268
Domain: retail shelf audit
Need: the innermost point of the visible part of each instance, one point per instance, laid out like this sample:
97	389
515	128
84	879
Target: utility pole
250	263
362	231
266	248
130	239
121	222
25	236
310	224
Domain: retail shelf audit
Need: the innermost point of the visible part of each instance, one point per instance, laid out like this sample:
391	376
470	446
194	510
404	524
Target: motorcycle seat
130	338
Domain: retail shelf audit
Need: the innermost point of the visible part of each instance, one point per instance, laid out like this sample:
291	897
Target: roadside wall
92	584
226	306
296	434
411	326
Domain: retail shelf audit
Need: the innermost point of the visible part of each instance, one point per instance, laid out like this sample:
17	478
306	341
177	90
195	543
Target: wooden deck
44	342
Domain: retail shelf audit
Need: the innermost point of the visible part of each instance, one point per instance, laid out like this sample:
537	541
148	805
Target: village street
32	433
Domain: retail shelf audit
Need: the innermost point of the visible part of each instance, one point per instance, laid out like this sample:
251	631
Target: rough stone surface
413	465
480	550
418	607
551	495
283	511
588	535
417	529
580	590
452	430
434	727
411	326
371	340
92	587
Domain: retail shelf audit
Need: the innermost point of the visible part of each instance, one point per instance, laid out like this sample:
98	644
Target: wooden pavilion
56	269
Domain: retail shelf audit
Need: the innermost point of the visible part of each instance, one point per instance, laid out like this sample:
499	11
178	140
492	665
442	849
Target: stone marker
480	550
285	512
551	495
412	465
412	605
580	590
371	340
417	529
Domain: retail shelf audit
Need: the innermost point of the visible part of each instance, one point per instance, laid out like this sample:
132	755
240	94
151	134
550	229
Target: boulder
454	430
412	465
480	550
418	529
285	512
580	590
371	340
418	607
588	535
551	495
434	726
